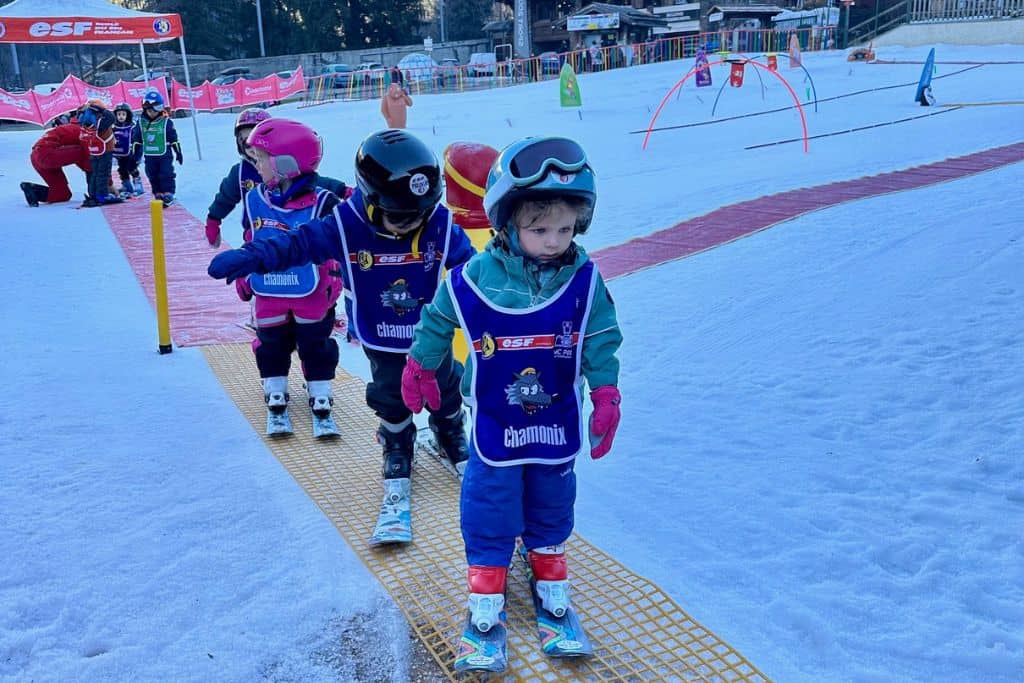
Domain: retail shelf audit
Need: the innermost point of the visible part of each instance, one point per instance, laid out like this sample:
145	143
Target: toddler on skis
127	166
293	307
243	177
393	237
98	136
156	139
539	319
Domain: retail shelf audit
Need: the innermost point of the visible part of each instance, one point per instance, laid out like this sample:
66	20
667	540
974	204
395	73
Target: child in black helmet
127	166
393	237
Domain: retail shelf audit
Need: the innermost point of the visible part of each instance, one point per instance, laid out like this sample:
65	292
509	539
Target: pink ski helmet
248	118
294	148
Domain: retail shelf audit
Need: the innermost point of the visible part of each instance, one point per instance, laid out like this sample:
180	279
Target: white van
481	64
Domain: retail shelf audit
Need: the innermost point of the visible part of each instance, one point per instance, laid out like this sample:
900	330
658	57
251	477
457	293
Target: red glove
243	288
604	420
419	386
213	231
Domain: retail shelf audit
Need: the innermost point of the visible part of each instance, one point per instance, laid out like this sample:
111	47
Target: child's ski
426	443
394	523
324	427
482	650
278	423
559	636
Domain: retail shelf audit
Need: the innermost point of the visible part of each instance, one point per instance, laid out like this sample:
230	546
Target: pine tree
464	19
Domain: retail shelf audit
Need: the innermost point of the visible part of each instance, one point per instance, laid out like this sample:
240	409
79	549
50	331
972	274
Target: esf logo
162	26
516	342
59	29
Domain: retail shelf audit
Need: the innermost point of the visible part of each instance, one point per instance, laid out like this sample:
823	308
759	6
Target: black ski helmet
124	107
397	173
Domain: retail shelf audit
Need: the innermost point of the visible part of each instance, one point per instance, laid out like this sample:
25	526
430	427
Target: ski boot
450	434
137	186
34	193
551	573
167	199
320	399
127	190
486	596
399	442
320	404
109	199
89	202
275	393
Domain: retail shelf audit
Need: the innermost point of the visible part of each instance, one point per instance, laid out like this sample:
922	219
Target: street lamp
846	23
259	27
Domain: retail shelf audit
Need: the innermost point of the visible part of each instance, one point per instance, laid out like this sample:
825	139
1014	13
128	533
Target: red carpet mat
745	218
202	310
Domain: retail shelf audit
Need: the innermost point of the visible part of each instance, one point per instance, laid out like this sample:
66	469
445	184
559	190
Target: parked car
232	74
481	64
340	75
417	67
286	74
366	72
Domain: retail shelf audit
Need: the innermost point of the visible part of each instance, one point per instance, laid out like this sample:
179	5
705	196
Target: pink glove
213	231
419	386
243	288
604	420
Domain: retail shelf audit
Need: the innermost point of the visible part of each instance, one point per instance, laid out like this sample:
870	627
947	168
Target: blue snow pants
160	171
500	503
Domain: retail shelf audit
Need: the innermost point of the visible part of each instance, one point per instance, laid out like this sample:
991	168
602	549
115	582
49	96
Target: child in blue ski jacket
156	139
127	166
538	319
243	177
393	237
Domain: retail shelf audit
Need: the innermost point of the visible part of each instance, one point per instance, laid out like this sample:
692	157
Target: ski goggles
532	162
403	219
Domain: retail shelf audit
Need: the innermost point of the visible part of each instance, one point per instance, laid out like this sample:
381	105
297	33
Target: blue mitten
232	264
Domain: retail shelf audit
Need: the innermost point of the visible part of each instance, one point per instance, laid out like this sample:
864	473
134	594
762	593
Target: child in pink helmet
293	309
243	176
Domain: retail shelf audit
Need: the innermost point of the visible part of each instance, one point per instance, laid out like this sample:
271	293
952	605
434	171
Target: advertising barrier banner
32	107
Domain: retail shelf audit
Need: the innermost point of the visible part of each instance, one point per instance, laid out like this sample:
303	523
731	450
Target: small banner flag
924	84
736	74
703	74
794	52
773	63
569	88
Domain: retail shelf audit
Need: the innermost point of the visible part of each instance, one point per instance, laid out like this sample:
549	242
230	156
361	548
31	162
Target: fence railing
964	10
361	85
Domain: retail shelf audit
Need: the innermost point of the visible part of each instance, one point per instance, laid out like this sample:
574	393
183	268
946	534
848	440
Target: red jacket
66	135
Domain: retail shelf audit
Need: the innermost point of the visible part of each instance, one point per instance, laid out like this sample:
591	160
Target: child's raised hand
604	420
419	386
232	264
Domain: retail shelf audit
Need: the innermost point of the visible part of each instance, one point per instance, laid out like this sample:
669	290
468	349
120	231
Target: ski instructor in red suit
59	147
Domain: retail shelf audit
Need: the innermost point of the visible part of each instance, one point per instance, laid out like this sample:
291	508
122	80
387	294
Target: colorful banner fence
33	107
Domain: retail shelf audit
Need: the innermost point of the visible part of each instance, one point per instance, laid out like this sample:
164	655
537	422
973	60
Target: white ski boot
320	403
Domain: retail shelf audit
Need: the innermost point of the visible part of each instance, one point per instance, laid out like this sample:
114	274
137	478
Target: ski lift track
787	108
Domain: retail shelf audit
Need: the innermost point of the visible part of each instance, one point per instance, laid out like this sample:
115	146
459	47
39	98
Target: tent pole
191	100
145	69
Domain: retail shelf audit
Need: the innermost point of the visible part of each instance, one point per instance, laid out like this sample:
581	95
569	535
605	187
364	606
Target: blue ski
394	522
482	650
559	636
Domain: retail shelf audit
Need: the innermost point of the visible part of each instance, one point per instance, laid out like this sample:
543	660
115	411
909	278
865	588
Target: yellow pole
163	321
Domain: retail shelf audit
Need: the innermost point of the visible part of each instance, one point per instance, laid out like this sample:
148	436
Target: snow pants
318	351
500	503
126	168
99	179
384	390
50	163
160	171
